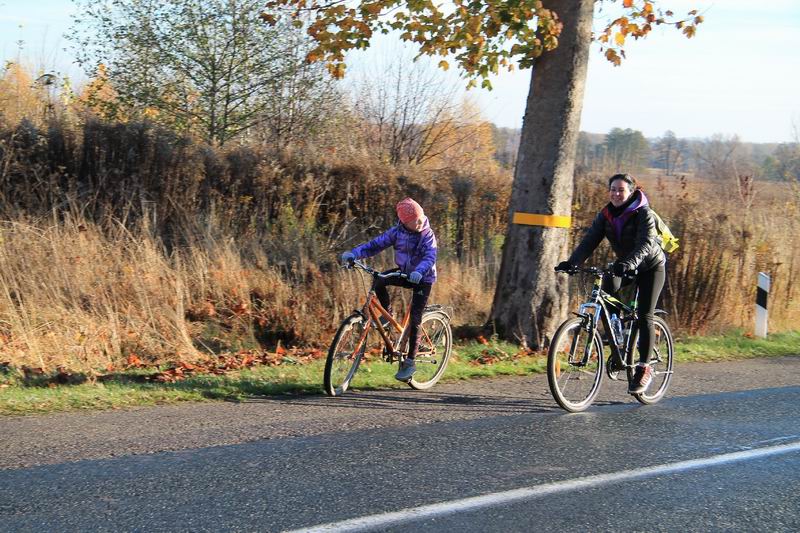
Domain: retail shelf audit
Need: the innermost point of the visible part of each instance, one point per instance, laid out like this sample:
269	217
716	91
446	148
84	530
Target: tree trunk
530	301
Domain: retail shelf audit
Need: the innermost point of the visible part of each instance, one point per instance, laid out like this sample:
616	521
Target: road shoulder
65	437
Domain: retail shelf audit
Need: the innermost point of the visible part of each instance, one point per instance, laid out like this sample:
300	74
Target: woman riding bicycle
415	255
628	224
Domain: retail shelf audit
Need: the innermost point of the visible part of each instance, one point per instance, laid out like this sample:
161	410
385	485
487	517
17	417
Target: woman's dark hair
627	178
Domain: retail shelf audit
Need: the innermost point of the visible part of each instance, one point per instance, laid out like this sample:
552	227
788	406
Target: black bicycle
576	360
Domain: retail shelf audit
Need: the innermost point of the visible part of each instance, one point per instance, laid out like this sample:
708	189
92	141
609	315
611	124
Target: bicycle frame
598	305
372	311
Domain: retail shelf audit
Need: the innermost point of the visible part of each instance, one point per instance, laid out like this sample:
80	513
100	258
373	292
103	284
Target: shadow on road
393	400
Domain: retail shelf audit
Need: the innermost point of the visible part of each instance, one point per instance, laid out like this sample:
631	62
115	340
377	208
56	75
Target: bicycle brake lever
632	274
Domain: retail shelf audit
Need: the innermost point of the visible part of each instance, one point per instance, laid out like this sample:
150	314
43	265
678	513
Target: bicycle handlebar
371	271
596	271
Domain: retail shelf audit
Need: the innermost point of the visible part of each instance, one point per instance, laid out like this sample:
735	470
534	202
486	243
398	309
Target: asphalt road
296	462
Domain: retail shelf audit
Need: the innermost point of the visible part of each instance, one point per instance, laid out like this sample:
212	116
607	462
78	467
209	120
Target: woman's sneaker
642	378
613	368
407	369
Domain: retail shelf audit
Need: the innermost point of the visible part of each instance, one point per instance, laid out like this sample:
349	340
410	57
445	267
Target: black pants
419	299
650	284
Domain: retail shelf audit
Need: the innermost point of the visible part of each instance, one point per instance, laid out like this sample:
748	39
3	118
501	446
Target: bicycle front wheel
661	362
575	365
345	354
435	345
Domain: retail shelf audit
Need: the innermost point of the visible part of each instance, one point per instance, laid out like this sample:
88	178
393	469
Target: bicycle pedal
613	369
391	357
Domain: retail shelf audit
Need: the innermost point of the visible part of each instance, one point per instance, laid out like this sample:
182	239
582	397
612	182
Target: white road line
537	491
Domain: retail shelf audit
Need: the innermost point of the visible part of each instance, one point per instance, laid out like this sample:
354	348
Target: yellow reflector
551	221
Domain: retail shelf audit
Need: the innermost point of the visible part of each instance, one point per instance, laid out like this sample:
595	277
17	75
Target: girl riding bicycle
415	255
628	224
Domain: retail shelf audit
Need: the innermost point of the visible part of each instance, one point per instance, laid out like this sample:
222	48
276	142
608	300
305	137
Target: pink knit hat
408	210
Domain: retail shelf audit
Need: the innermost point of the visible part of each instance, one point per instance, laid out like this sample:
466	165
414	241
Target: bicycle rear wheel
435	345
661	361
575	365
345	354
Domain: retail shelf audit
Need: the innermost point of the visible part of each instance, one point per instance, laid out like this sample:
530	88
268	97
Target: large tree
529	300
482	36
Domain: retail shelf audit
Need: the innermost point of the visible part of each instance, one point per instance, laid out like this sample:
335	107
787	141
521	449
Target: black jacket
637	244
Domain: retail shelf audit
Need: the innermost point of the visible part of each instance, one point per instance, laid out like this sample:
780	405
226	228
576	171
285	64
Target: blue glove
415	277
348	258
620	269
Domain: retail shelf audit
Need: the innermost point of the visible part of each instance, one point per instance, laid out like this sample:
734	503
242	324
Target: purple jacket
412	250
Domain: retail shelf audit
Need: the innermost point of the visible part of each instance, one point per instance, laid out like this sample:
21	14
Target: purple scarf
617	222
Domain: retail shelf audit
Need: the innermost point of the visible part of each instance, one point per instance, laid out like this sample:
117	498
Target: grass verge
470	360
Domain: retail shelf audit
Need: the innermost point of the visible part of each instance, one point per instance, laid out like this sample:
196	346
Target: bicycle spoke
661	363
433	352
345	355
575	365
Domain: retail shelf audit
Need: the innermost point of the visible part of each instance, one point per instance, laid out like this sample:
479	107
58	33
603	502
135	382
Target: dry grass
75	295
87	296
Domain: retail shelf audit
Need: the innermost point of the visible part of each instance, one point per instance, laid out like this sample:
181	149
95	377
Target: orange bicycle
350	341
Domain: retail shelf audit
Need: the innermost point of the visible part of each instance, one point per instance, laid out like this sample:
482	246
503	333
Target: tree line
714	157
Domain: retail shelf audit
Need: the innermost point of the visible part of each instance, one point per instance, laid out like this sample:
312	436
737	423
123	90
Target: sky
740	75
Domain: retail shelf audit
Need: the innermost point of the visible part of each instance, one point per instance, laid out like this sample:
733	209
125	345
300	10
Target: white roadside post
762	292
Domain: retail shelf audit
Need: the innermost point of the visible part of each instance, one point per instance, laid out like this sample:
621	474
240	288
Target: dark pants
419	299
650	284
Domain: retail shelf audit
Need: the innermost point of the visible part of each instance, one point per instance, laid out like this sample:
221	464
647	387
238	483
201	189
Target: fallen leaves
487	357
215	365
494	354
201	312
64	376
225	363
32	372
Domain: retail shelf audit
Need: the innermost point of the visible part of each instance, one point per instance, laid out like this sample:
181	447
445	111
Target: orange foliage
19	97
100	98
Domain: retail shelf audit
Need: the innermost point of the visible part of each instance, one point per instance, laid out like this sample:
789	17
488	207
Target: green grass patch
469	360
736	345
18	398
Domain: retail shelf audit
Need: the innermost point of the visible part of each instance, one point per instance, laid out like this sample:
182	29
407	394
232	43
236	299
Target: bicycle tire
343	359
662	363
564	369
431	364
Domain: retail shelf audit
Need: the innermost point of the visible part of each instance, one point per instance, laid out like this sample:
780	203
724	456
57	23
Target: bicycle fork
589	312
